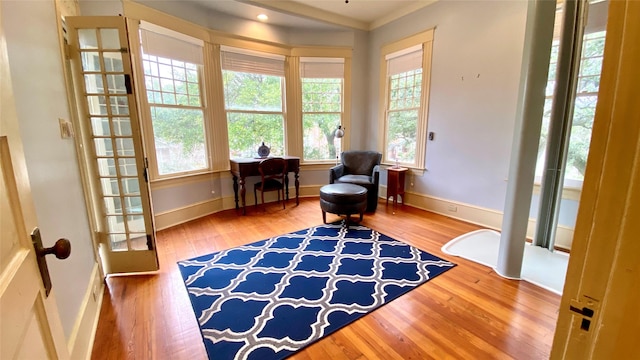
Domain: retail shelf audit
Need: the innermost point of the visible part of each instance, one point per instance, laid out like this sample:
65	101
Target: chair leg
324	216
284	200
262	197
361	213
255	197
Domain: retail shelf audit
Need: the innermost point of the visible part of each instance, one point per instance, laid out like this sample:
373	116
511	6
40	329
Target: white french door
110	133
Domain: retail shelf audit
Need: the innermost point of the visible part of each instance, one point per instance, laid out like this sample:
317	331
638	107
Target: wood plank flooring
468	312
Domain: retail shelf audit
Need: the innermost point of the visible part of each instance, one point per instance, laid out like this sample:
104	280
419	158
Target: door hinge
127	84
145	171
67	51
150	242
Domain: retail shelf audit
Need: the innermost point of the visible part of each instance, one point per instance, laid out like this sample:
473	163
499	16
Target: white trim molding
177	216
488	218
83	334
173	217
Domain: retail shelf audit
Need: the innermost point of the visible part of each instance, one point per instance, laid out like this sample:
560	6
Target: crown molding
299	9
399	13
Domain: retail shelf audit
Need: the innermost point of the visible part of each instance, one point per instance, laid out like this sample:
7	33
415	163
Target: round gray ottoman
343	199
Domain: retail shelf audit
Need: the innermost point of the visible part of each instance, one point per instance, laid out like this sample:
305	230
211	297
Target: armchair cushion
356	179
360	168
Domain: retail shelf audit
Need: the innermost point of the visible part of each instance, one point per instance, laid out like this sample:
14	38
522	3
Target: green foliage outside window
247	131
173	94
584	107
321	115
254	112
402	117
179	139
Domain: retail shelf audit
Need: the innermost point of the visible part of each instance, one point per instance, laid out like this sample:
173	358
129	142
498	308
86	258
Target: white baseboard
84	330
181	215
488	218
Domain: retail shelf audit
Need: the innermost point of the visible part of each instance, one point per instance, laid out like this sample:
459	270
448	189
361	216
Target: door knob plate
61	249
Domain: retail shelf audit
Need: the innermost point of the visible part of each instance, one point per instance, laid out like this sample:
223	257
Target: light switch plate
66	129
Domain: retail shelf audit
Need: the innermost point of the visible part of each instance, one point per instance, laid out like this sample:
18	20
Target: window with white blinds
404	60
172	64
254	101
250	62
404	81
170	44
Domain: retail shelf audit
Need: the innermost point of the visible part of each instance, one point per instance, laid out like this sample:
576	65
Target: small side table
395	184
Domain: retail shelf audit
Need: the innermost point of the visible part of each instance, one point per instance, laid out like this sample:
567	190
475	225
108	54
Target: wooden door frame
603	269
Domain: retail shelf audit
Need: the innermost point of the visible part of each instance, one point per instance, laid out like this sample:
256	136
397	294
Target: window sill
311	166
415	171
184	179
568	192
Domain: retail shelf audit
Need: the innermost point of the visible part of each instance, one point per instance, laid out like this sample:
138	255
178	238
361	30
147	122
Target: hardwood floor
468	312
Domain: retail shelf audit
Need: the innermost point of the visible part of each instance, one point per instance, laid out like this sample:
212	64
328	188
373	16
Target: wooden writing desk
241	168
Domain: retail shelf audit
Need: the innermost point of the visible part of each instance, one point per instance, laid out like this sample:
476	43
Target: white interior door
110	131
30	326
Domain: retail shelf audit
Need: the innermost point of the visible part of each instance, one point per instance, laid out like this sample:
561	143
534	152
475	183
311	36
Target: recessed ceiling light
263	17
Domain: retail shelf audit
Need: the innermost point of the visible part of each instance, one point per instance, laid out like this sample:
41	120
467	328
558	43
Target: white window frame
425	40
312	66
184	45
571	187
261	63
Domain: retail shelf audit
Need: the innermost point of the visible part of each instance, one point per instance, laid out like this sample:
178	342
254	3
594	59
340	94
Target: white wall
477	53
36	71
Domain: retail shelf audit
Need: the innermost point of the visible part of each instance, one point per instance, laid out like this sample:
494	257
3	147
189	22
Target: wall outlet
452	208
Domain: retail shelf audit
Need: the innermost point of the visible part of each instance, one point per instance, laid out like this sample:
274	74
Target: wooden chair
272	174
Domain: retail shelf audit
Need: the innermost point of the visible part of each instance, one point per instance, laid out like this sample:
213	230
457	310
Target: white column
533	81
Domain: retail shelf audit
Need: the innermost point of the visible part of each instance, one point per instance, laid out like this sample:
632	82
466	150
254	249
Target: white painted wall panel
476	61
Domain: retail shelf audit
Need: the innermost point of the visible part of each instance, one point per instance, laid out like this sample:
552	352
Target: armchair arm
375	175
335	173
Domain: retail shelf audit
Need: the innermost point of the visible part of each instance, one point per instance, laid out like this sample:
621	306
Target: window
254	101
172	72
404	80
584	107
322	106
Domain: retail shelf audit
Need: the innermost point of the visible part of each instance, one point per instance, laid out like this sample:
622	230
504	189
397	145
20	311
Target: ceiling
317	14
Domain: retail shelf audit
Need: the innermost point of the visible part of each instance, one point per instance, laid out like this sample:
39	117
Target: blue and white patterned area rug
268	299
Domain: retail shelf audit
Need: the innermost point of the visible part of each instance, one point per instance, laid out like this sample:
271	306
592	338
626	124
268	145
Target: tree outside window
172	65
404	99
584	106
253	94
322	106
403	115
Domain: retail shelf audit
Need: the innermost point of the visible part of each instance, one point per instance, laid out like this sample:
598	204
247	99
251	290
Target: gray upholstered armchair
360	168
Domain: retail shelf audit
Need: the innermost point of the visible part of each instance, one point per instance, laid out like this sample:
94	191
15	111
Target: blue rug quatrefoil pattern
268	299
